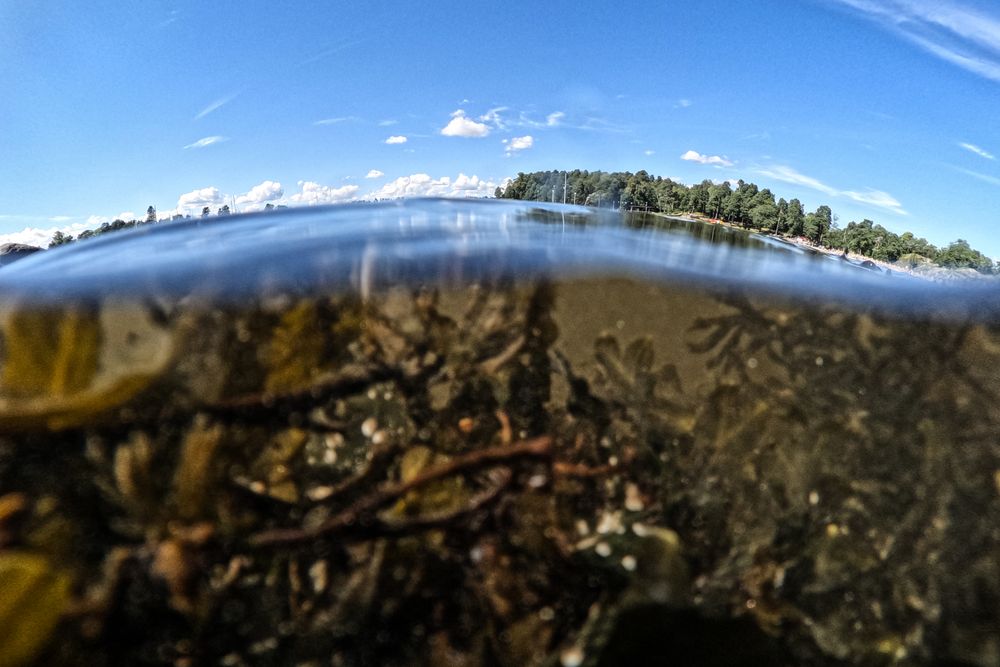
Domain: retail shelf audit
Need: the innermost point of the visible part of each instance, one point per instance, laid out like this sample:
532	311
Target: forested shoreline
747	206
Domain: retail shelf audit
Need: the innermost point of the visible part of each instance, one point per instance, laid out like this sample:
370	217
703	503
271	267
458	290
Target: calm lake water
442	432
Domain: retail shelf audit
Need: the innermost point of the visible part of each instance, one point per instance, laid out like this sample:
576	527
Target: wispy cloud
215	106
518	144
649	152
954	33
333	50
396	139
683	104
554	118
878	199
387	122
374	173
171	17
337	120
207	141
869	197
717	160
972	148
493	118
461	125
789	175
985	178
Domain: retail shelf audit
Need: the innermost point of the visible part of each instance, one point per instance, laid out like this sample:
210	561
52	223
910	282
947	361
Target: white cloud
40	237
259	195
388	122
695	156
191	203
422	185
396	139
214	106
518	144
682	104
878	199
554	118
649	152
207	141
374	173
977	150
313	194
957	34
870	196
462	126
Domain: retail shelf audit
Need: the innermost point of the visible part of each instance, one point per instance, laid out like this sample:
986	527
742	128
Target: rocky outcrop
11	252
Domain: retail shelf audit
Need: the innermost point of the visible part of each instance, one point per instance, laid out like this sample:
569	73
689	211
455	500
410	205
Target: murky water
492	433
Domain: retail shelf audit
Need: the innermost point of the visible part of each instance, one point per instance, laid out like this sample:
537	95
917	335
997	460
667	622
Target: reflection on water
452	433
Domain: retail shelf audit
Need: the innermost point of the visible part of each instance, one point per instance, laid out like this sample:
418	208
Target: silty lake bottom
450	433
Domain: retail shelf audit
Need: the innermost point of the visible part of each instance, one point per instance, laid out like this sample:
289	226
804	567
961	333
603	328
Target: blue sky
885	109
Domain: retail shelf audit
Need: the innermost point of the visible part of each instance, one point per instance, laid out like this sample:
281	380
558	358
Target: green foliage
959	255
60	239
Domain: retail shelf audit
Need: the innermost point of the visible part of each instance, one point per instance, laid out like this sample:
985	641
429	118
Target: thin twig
365	507
344	381
493	364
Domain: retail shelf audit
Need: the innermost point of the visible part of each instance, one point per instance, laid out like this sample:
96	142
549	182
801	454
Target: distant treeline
745	205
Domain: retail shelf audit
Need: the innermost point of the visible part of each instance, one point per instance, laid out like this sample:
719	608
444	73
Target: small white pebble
603	549
372	394
813	498
264	645
378	437
620	324
369	426
546	613
582	528
572	657
629	563
819	361
537	481
318	493
633	499
751	363
611	522
613	460
318	574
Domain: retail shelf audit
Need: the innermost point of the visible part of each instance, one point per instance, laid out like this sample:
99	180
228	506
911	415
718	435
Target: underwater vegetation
497	474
